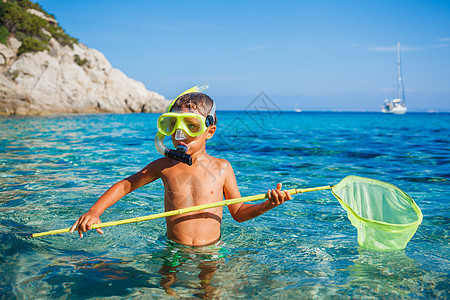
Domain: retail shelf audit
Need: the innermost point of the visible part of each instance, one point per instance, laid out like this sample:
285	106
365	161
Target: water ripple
53	168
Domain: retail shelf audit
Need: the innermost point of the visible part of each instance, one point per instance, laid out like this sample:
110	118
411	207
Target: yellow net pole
184	210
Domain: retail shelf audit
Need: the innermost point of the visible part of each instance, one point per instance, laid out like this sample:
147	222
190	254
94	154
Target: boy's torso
187	186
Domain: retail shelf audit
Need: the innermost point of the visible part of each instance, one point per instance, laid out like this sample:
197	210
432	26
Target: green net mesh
386	217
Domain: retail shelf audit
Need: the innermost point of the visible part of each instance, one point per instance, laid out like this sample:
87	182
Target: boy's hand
85	222
277	197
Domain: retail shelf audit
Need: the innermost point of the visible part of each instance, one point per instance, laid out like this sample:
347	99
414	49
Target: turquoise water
54	168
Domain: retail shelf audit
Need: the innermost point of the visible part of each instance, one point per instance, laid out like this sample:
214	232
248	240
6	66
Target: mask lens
167	124
194	125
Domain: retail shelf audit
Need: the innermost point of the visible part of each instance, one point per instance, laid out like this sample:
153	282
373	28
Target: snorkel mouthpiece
179	154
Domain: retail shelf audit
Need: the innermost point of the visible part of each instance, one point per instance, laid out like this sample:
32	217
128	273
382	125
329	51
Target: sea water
53	168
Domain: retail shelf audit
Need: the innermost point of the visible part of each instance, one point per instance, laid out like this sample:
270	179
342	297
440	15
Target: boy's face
197	143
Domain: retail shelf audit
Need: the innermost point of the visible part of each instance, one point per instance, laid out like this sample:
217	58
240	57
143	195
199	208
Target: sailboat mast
400	87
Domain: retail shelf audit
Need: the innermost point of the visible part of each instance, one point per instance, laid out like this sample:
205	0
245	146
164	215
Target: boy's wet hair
200	102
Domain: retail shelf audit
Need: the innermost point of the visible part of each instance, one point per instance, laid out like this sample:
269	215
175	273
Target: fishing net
386	217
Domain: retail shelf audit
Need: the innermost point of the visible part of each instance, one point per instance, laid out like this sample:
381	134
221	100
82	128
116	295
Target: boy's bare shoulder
159	164
223	164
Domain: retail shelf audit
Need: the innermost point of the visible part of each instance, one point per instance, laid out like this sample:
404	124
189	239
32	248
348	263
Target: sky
312	55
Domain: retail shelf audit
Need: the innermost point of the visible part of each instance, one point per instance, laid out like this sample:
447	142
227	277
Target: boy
190	121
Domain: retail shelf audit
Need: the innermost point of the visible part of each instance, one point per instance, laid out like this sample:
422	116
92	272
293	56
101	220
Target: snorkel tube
180	153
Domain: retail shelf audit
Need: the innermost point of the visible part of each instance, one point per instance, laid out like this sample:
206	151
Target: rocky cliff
65	78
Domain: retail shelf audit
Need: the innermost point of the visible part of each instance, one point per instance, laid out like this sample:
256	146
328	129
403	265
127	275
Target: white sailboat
397	105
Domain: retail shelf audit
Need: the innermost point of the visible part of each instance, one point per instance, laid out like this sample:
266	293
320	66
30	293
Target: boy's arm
113	194
243	212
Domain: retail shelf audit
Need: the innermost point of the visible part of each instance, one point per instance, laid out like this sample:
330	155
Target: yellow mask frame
191	123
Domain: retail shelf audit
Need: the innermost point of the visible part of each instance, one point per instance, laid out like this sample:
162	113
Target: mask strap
213	109
210	118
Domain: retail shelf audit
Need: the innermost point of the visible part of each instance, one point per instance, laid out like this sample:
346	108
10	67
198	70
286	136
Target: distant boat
296	109
397	105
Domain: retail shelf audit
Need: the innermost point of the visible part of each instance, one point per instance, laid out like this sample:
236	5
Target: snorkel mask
182	123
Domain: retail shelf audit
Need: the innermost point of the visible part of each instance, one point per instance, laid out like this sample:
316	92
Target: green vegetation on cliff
32	30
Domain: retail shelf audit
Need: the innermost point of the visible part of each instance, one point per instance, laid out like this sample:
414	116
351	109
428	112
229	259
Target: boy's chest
194	187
